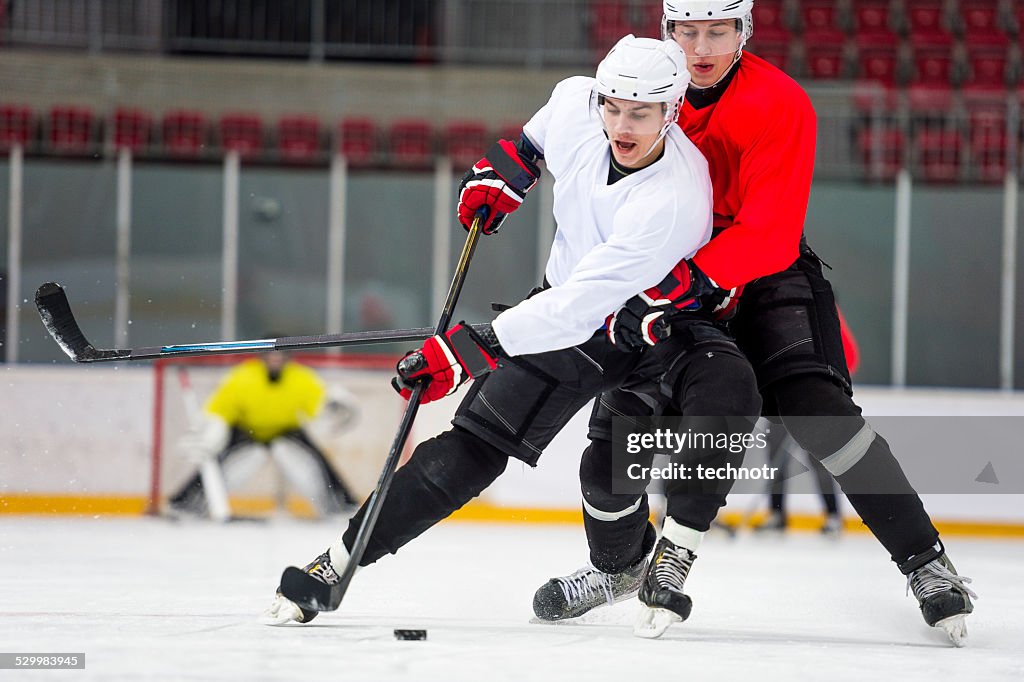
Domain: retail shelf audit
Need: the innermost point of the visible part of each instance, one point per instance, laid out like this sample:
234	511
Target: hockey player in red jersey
756	127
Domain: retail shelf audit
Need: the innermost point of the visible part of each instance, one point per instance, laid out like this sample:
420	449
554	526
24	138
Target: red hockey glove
646	318
446	361
498	181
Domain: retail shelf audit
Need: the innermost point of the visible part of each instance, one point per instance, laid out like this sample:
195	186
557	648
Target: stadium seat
938	153
817	16
776	53
824	59
357	141
987	65
242	133
769	22
465	142
508	131
16	124
988	137
132	129
933	66
926	23
609	21
411	142
882	152
873	24
184	133
72	130
298	138
930	100
879	63
980	22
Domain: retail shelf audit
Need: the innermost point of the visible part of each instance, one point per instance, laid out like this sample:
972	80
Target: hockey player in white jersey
618	160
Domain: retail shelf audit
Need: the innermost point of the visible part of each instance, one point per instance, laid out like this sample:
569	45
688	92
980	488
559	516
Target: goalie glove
646	319
447	361
498	182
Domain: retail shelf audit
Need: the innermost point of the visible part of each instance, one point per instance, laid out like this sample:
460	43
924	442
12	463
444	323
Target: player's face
633	128
710	48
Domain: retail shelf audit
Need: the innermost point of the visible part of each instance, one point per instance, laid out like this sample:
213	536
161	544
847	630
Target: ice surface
152	599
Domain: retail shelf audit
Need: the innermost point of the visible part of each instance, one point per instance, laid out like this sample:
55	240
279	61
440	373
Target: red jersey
759	140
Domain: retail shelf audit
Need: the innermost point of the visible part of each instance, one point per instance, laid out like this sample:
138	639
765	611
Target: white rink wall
86	431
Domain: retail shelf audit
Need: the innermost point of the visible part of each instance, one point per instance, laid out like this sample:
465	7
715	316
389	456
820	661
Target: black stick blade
308	592
55	311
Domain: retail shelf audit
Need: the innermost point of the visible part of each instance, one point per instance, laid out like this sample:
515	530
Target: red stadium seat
882	152
933	66
465	142
873	24
776	53
509	131
880	64
357	141
609	21
184	133
988	138
988	66
819	16
769	22
938	153
298	138
242	133
411	142
930	99
824	59
16	123
980	21
72	130
132	129
926	23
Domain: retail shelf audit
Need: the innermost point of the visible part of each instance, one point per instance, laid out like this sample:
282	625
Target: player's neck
705	97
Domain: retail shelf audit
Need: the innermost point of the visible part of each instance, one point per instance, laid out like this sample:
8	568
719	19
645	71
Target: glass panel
69	237
282	252
859	246
4	232
388	251
176	254
955	244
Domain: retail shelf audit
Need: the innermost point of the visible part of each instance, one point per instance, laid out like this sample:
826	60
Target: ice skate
586	589
662	590
284	610
943	595
775	522
833	526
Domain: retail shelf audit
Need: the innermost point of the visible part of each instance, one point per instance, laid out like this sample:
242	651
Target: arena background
196	171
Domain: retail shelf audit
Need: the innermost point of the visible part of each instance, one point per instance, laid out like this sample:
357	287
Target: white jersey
613	241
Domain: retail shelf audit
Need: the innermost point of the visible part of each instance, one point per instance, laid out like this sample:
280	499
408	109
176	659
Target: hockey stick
59	320
301	587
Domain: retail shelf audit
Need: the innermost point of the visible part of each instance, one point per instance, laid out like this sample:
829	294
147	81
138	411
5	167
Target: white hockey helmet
643	70
710	10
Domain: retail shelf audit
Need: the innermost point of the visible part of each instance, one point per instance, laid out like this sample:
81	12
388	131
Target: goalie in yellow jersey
261	407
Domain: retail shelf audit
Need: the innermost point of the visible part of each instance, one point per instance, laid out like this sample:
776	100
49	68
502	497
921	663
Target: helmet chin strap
739	53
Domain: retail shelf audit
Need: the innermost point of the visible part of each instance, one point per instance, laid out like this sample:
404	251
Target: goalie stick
304	589
59	320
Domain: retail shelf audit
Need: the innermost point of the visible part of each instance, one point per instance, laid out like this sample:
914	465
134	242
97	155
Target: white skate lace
935	577
585	583
322	570
671	567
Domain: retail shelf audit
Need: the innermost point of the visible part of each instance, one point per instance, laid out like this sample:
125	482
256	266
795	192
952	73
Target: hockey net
354	429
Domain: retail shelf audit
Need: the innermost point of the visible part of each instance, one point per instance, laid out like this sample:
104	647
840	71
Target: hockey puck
410	634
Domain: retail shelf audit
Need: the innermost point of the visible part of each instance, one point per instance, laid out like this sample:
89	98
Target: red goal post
357	450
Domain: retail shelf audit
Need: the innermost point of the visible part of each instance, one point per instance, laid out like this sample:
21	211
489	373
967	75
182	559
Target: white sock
682	536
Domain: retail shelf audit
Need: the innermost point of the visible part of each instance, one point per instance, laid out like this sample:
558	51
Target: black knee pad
805	404
456	466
